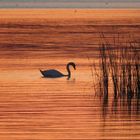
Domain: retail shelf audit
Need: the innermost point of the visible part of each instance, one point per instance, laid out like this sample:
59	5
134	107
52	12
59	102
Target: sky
69	3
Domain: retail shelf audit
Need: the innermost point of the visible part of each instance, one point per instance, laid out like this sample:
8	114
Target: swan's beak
75	68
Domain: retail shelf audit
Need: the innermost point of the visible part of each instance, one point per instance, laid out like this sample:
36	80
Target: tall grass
104	69
119	68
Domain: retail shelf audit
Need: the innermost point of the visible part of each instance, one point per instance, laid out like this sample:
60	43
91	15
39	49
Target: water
32	107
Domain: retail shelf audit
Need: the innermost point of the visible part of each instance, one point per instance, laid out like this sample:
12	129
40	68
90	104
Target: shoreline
94	16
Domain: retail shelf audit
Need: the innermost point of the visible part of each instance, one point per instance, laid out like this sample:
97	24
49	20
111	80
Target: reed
104	69
119	68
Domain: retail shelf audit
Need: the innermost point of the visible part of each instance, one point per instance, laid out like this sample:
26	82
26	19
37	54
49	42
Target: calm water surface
36	108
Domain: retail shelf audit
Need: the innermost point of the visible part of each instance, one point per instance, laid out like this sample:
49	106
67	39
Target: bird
52	73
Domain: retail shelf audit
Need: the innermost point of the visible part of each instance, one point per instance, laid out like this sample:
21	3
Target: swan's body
52	73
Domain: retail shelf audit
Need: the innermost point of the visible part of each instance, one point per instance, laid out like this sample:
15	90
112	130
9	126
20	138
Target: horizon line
69	5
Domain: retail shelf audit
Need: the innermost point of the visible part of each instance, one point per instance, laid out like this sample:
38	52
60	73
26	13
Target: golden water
36	108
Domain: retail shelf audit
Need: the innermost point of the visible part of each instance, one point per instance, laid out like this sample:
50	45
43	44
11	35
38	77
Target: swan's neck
69	72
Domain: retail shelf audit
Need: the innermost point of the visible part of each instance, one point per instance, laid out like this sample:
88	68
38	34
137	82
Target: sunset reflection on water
33	107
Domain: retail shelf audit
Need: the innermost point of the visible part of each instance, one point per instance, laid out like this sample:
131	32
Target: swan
52	73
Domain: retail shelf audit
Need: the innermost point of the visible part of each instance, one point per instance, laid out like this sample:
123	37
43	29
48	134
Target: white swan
52	73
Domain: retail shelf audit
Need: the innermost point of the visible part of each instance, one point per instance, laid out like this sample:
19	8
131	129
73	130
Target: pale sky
69	3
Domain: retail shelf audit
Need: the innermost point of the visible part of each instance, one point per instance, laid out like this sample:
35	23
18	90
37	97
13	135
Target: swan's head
72	64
